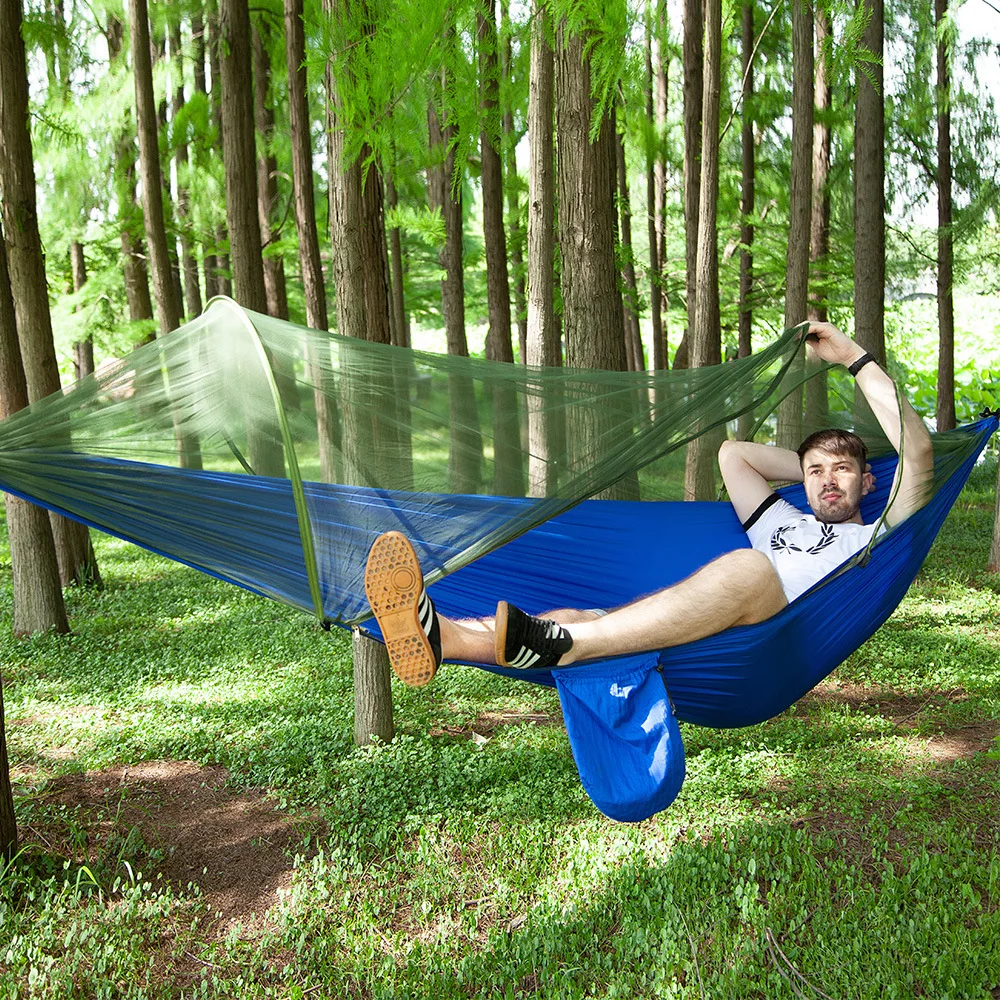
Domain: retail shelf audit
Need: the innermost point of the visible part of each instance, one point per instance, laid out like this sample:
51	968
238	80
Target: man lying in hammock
790	551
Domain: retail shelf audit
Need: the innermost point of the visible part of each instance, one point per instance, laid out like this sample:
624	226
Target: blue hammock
621	721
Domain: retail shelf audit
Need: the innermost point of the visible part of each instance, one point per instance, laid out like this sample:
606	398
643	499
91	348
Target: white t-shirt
802	549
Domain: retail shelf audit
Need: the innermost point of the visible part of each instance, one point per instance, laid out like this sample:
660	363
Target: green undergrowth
849	848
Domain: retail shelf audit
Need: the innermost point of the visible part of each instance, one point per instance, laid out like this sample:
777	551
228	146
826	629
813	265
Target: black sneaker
404	611
525	642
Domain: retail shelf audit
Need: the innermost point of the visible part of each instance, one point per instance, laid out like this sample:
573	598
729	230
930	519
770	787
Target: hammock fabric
271	456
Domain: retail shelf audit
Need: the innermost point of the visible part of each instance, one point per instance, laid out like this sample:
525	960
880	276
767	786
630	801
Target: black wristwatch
860	363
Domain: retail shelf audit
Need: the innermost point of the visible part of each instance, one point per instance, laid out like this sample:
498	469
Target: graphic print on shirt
780	543
829	536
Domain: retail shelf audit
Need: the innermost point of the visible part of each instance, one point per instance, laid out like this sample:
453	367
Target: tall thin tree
26	264
327	423
869	190
789	432
693	57
945	249
706	335
543	332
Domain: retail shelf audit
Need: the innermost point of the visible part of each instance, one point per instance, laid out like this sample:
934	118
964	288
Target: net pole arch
294	474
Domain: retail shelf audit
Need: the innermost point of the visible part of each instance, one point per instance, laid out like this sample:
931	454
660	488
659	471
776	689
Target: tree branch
743	82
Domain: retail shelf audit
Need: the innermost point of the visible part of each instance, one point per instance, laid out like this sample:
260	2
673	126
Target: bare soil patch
233	844
487	723
900	708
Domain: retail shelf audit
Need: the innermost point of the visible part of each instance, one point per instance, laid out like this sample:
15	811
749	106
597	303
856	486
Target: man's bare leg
738	588
473	640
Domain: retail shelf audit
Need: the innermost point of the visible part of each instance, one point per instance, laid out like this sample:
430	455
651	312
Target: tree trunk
789	433
817	403
26	267
747	187
706	335
167	306
633	339
164	291
592	305
945	262
140	306
693	97
869	193
400	325
189	266
543	333
508	474
159	55
327	417
83	350
275	288
543	347
38	601
656	179
363	312
223	278
444	190
513	200
263	440
993	566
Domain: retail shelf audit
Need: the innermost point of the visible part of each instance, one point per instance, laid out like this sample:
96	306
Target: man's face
834	486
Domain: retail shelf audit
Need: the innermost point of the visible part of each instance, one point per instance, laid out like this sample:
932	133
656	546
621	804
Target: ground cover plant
196	822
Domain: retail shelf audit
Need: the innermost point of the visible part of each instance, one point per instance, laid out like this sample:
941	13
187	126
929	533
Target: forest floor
195	820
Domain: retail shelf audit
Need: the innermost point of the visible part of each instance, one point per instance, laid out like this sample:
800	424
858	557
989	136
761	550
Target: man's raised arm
915	471
748	469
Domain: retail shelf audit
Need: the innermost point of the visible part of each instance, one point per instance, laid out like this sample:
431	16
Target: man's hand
827	343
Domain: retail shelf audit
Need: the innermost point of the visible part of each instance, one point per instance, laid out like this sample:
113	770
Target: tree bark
275	287
993	566
140	306
164	290
790	418
26	267
400	324
706	335
327	418
656	180
542	338
444	188
508	473
693	56
513	199
38	600
633	339
747	186
83	350
592	305
869	193
543	333
945	253
363	312
817	403
189	266
223	277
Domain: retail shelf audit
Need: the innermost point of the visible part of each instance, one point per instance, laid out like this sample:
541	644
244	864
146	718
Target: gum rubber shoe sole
393	584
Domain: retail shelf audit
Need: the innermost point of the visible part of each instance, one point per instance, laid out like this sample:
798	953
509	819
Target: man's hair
836	442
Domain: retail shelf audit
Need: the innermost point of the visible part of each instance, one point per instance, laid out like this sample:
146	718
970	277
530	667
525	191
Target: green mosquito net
271	455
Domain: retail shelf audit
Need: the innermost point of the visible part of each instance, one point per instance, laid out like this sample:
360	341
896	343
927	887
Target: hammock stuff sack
271	456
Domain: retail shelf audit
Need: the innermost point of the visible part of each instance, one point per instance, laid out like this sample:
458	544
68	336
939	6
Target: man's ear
867	483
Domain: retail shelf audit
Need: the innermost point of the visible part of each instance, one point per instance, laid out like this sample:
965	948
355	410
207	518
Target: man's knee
757	582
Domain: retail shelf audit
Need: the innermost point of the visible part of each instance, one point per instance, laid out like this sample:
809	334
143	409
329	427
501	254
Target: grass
848	848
